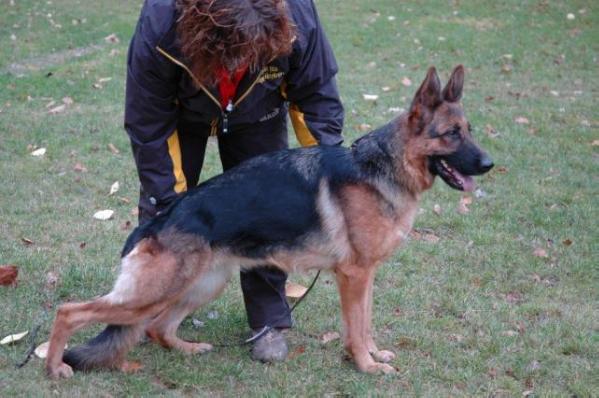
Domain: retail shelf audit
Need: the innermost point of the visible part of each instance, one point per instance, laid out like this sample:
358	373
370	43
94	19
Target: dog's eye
455	133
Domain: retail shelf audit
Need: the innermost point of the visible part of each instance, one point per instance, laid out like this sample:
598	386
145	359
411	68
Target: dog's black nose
485	163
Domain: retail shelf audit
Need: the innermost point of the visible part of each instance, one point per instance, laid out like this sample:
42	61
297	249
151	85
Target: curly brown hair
232	34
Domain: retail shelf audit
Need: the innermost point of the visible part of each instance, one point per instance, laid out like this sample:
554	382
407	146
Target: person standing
234	70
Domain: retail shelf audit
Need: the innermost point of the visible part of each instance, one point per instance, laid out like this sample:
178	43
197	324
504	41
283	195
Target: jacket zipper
230	106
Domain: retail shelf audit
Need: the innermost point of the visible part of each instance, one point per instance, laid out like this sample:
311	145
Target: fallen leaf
492	373
298	351
58	109
329	336
13	338
539	252
455	337
534	365
514	297
51	280
82	245
370	97
39	152
386	89
41	351
437	209
212	315
406	82
112	38
554	93
197	323
465	201
80	168
8	275
522	120
567	242
135	211
97	86
527	393
114	188
126	225
104	79
113	149
27	241
294	290
509	333
426	236
595	143
364	127
571	16
502	169
103	215
491	132
67	101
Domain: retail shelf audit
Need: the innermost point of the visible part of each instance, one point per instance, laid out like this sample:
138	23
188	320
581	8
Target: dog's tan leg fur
379	355
163	329
353	286
74	316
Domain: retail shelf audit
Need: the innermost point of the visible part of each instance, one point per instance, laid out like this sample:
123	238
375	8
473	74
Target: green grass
475	314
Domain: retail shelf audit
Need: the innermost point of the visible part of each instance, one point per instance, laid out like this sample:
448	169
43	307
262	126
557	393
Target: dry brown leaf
595	143
540	252
80	168
8	275
113	149
426	236
27	241
294	290
567	242
68	101
522	120
104	79
514	297
491	132
13	338
51	280
103	215
112	38
135	211
465	201
364	127
329	336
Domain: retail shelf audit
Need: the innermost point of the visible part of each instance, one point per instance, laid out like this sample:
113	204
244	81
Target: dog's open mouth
451	176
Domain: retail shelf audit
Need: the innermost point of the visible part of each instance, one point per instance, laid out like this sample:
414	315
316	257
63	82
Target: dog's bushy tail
106	350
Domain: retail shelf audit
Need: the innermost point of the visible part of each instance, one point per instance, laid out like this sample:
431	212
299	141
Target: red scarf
227	84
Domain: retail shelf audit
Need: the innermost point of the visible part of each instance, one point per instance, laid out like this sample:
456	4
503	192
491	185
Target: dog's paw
383	356
199	348
61	371
378	368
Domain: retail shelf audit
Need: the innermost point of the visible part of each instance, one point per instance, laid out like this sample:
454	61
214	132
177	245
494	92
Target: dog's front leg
379	355
353	290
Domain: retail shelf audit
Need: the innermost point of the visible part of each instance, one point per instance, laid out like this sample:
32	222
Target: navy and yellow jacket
163	97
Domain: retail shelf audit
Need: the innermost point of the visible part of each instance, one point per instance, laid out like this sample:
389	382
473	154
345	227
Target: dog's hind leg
379	355
74	316
353	282
163	329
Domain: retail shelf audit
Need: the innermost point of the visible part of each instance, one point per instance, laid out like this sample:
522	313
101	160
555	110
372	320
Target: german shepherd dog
329	208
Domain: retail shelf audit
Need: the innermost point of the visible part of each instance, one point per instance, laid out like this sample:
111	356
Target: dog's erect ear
429	93
453	90
150	245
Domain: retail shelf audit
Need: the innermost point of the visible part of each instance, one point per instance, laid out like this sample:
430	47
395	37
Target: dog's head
440	132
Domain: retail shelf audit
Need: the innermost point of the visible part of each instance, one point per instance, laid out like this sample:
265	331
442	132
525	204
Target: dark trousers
263	288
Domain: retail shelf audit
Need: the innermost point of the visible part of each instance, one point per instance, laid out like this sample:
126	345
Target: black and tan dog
340	209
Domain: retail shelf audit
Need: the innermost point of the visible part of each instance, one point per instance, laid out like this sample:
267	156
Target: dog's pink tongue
468	183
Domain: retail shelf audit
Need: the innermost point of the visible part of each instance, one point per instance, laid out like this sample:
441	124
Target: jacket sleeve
151	117
315	109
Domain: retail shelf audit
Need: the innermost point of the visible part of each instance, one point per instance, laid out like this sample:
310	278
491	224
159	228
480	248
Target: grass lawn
502	300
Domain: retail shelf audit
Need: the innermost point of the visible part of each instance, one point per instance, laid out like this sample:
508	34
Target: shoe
272	347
